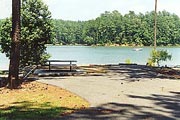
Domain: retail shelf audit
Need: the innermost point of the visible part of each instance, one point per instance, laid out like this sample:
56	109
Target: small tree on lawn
159	55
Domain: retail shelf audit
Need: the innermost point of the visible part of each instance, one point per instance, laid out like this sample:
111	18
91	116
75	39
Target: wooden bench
57	63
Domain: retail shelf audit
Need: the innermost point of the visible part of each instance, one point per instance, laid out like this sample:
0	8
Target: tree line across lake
112	28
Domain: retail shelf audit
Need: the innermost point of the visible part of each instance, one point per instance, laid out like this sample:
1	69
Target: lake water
102	55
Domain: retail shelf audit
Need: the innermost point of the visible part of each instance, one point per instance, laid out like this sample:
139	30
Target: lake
103	55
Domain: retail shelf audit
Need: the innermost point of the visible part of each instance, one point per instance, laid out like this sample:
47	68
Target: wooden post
49	65
70	66
155	24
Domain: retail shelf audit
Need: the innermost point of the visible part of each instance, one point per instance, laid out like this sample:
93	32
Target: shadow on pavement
136	72
168	108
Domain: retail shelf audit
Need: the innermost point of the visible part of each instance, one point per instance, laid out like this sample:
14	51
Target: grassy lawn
37	101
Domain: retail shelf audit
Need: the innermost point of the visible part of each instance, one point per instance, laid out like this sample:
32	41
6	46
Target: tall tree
15	46
36	31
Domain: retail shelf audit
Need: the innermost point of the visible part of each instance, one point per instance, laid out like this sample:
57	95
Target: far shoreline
113	45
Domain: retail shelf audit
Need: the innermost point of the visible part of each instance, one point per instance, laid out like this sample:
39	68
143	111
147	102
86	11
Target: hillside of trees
113	28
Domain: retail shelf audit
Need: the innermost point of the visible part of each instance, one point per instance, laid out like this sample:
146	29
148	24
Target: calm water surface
108	55
102	55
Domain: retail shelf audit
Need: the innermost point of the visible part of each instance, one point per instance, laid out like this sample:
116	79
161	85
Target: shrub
128	61
157	56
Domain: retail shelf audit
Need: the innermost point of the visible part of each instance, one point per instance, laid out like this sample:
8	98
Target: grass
37	101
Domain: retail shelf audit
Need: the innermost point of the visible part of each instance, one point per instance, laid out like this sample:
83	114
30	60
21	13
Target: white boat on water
137	49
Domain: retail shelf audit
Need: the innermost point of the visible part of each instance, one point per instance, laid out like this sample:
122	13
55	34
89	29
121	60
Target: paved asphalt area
108	95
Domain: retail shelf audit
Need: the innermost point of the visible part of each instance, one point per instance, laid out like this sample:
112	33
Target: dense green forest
113	28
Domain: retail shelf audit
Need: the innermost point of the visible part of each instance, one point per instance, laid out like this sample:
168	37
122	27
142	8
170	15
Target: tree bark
13	78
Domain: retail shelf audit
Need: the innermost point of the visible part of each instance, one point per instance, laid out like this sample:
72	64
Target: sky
90	9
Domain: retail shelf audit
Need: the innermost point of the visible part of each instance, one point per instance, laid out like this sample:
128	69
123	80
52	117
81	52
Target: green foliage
44	57
159	55
114	28
88	40
150	62
109	28
1	72
5	31
128	61
36	31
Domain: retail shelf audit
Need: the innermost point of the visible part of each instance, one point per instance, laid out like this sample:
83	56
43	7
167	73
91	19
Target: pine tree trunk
15	46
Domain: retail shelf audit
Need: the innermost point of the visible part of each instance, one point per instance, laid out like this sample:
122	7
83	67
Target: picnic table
69	63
